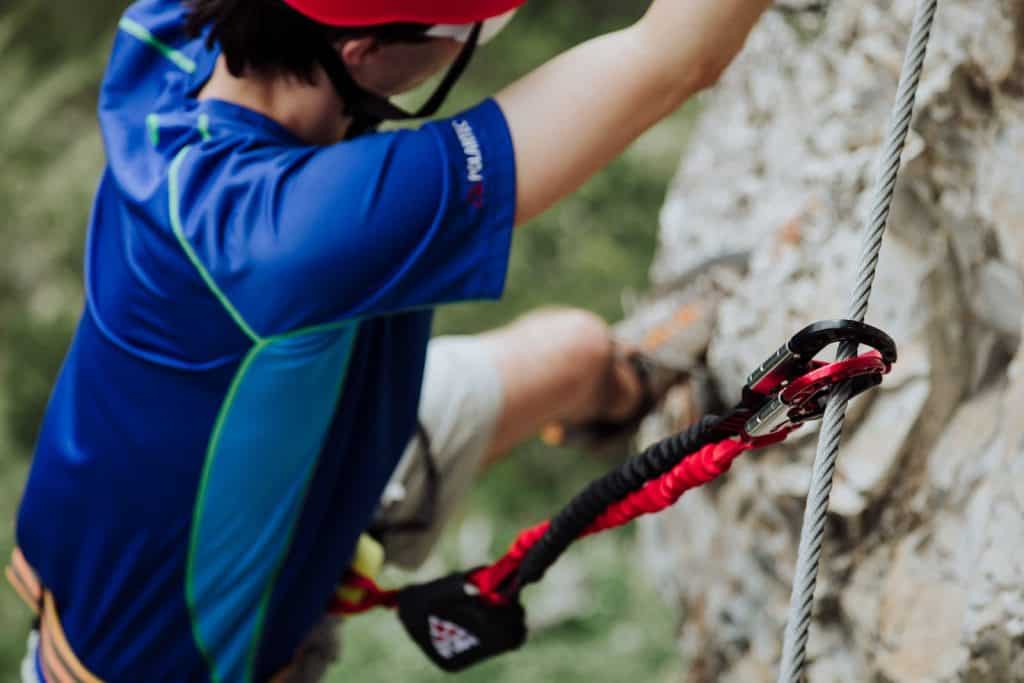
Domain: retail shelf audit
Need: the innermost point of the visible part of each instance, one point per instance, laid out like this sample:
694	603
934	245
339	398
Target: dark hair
269	36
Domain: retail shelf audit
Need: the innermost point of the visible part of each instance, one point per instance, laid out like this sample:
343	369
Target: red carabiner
796	386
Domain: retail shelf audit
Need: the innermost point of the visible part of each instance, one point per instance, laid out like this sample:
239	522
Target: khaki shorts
459	409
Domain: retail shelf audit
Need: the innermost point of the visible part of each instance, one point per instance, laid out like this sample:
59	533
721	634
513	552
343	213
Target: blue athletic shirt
246	372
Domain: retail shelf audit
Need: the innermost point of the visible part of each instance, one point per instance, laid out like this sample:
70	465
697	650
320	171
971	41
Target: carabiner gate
798	386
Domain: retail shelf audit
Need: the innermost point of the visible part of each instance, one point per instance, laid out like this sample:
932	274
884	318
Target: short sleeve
384	224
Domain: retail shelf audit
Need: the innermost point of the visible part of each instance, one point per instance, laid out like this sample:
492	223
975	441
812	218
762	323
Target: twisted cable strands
811	535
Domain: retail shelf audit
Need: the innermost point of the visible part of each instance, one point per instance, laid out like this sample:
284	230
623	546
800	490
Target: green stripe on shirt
134	28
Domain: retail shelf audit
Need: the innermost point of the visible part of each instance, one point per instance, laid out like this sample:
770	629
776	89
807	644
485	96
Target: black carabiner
778	379
794	357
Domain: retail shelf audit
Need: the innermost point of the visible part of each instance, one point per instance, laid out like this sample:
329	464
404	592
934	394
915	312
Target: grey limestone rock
922	576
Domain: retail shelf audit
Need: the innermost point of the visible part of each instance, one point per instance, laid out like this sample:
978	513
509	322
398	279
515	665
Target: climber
261	269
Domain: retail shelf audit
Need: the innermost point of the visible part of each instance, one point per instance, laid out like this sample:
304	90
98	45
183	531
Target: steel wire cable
816	511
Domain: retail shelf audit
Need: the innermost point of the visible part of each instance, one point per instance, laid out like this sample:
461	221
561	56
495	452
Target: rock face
922	576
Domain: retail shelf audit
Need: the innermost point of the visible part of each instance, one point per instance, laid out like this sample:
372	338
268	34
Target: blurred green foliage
584	253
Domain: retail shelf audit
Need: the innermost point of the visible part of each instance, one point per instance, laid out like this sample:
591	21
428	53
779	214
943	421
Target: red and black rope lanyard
468	617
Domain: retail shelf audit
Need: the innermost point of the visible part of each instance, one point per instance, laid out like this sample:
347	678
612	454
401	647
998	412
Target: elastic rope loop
373	596
700	468
589	505
664	472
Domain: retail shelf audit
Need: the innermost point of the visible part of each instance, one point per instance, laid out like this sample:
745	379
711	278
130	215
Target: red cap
364	13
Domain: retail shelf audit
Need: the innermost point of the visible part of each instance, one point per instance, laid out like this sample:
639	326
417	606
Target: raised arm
572	116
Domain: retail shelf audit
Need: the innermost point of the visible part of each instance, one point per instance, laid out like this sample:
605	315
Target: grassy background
585	253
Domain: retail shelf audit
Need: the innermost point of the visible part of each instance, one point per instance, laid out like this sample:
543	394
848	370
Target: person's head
369	50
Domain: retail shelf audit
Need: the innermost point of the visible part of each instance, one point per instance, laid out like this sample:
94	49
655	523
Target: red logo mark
475	196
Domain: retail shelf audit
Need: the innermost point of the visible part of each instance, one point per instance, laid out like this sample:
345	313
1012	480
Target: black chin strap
369	110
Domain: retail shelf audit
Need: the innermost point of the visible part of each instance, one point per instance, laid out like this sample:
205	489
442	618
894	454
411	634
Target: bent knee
587	346
588	335
569	341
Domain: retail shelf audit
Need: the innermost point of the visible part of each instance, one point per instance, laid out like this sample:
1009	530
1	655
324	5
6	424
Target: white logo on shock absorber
450	639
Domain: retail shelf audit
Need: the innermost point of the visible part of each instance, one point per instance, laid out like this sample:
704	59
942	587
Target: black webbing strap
369	110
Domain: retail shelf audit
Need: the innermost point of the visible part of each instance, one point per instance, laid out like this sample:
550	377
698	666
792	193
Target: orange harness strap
58	660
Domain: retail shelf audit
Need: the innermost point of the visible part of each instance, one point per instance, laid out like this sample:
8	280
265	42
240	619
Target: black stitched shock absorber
591	503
